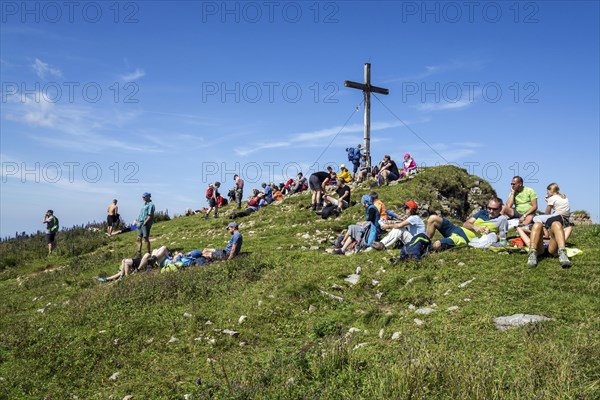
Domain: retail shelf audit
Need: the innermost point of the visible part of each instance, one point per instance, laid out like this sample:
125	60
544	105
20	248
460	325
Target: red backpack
209	192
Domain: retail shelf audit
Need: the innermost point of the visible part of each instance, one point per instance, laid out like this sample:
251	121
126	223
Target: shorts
564	221
392	177
50	237
144	230
356	231
212	202
219	254
314	183
355	167
447	230
111	220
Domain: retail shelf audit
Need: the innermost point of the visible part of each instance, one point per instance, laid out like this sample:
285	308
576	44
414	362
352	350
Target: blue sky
105	100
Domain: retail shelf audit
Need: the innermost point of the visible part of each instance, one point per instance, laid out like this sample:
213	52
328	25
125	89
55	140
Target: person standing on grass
239	190
112	218
145	223
213	201
51	228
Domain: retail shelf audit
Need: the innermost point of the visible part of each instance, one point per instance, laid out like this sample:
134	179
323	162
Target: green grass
89	330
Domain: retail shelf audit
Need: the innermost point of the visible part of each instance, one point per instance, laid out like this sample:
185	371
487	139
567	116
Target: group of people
545	234
164	259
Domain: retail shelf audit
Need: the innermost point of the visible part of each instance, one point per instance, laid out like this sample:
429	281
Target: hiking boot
216	215
205	216
532	259
337	251
563	258
378	246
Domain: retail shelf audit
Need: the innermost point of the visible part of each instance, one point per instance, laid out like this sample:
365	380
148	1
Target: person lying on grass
129	265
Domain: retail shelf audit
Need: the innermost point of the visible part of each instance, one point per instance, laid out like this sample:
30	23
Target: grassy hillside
63	335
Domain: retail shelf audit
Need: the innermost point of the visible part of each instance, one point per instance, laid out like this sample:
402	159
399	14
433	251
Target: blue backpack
353	155
416	248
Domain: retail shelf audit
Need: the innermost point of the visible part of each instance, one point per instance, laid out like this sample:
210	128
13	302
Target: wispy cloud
456	105
430	70
314	138
43	69
78	128
133	76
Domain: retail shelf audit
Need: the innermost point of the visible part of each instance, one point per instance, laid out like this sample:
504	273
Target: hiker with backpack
354	156
402	232
51	229
362	234
298	185
483	222
212	195
341	203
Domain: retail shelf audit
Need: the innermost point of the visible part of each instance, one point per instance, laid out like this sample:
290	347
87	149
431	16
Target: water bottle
503	237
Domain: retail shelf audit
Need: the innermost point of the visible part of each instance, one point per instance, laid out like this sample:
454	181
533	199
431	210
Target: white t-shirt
560	205
416	225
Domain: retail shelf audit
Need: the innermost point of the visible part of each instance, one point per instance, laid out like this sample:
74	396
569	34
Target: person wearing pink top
410	166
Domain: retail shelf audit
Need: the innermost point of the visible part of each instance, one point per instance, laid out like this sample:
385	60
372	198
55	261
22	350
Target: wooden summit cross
367	89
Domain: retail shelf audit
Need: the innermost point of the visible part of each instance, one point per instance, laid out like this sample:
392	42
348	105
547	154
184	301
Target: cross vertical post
367	89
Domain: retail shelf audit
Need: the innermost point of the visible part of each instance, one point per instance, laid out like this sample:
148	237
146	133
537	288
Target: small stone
452	308
242	344
336	287
447	292
306	236
353	330
242	319
418	321
114	376
506	322
358	346
358	270
209	322
312	308
41	310
102	331
150	340
424	311
462	285
198	339
396	336
231	333
461	264
290	382
173	339
466	299
375	282
210	360
441	261
128	397
313	248
211	341
352	279
187	315
260	303
116	341
412	307
381	332
378	295
41	329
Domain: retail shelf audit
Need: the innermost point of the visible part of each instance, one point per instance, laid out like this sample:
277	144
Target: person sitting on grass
522	202
388	171
129	265
344	174
482	222
409	166
254	203
403	231
356	233
233	248
556	223
299	184
343	200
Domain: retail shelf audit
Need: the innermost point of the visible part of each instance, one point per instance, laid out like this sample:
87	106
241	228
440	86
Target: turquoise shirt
147	209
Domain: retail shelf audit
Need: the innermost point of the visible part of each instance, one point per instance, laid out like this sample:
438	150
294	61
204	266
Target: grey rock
424	311
114	376
452	308
312	308
418	321
506	322
231	333
396	336
462	285
352	279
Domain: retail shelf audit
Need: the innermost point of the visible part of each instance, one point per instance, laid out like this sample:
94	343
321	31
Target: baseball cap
146	194
232	225
411	204
407	155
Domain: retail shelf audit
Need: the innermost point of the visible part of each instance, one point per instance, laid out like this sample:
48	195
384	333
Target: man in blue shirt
233	248
145	223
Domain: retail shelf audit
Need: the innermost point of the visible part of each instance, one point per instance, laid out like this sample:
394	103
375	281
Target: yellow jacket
345	175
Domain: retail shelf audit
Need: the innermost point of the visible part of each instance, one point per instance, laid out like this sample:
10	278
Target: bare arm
469	225
232	252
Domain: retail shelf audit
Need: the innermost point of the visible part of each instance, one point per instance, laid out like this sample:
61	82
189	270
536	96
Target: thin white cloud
456	105
135	75
315	138
430	70
43	69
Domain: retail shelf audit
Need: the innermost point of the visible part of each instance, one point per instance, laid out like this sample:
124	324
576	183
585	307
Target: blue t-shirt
416	225
236	239
269	193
